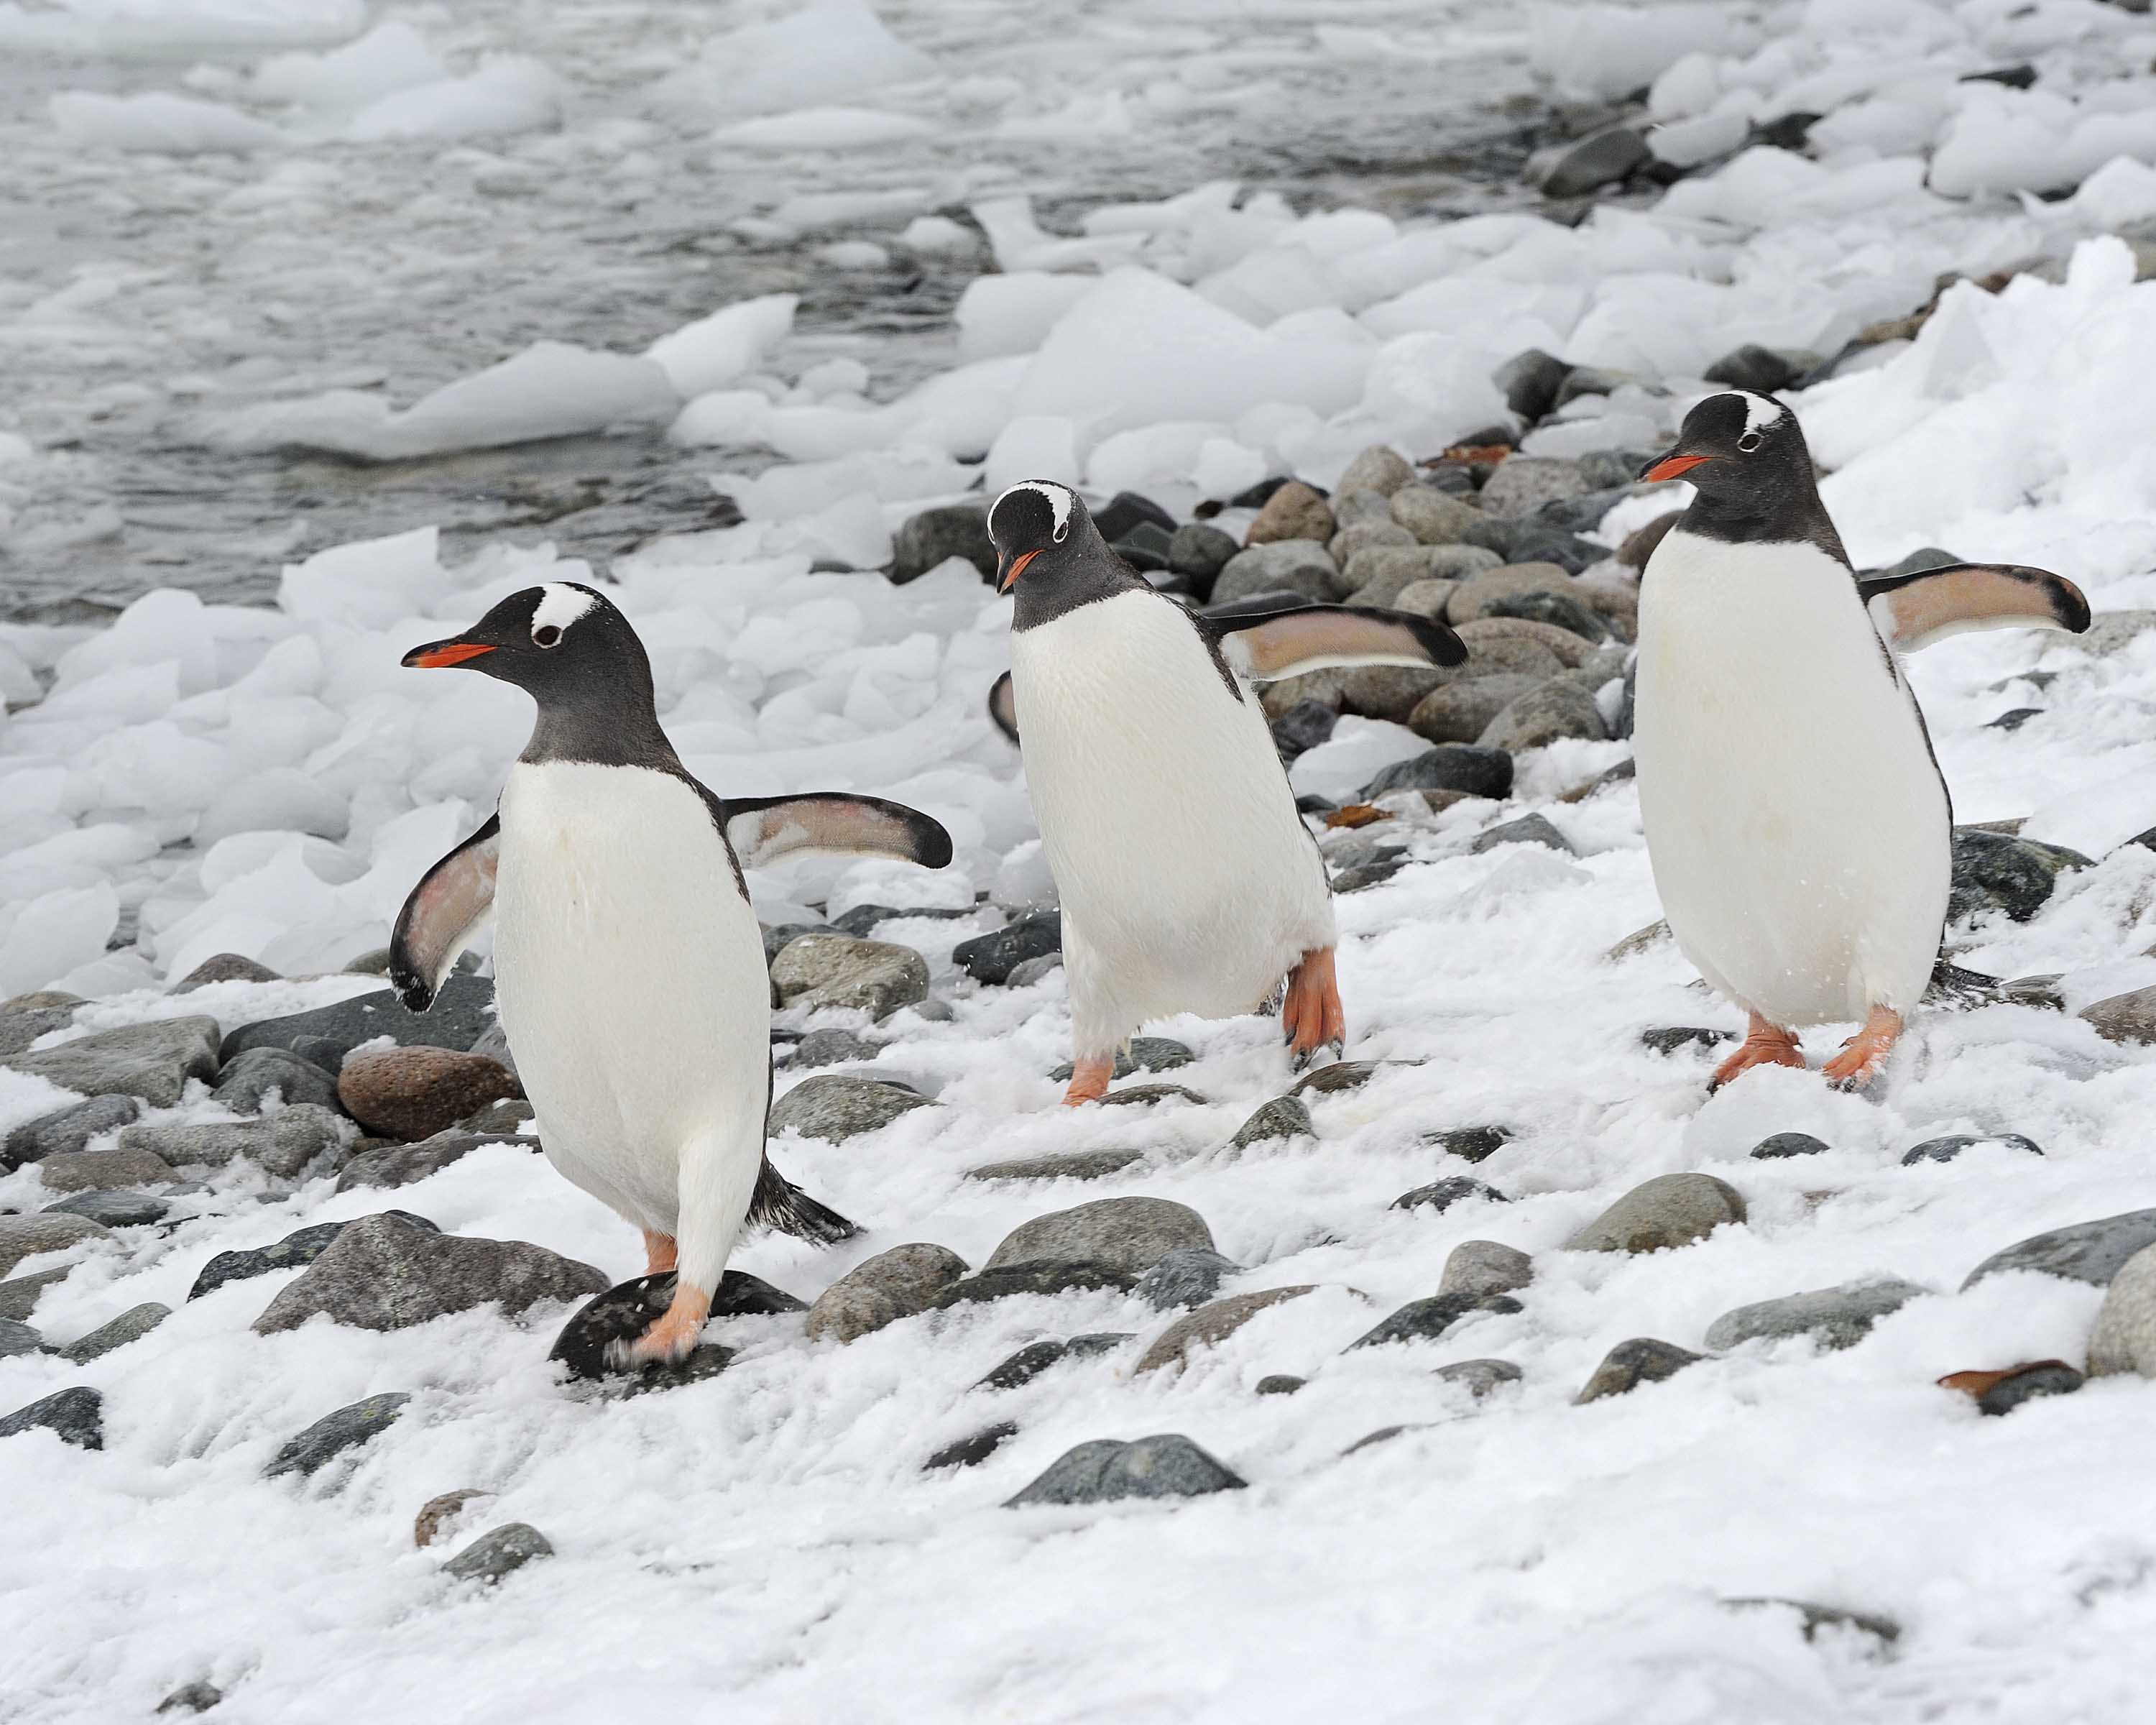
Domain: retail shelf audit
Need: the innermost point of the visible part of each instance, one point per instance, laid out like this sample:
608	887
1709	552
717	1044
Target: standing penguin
1187	880
1796	819
628	966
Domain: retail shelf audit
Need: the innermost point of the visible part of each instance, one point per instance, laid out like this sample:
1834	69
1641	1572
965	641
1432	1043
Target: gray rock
333	1434
1784	1144
1350	542
1669	1210
259	1075
1471	1143
1279	1383
953	530
1480	771
1379	468
1523	483
2090	1252
1212	1324
881	1290
1762	370
1302	727
1129	1233
1187	1276
1556	710
1297	565
1529	383
1077	1165
973	1449
1481	1376
1483	1266
1426	1320
1992	871
1532	539
1461	711
1835	1317
388	1166
1030	1361
1602	158
1026	973
294	1251
1560	610
197	1697
494	1043
462	1012
224	967
1142	1095
1440	1195
1947	1148
382	1273
1629	1364
103	1170
18	1298
836	1106
1200	552
153	1061
831	1048
1437	519
1385	574
1389	691
74	1415
27	1017
501	1551
16	1338
1107	1469
876	976
2124	1339
1141	1054
131	1326
1336	1078
2114	631
1048	1277
1296	510
283	1144
26	1236
1668	1038
992	957
1361	507
1813	1618
2129	1017
1283	1117
67	1130
1526	829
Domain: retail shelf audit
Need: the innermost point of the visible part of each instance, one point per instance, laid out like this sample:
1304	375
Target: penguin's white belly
1799	829
630	974
1187	880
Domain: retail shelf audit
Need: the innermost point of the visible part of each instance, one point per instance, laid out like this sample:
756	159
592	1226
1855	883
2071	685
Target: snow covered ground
200	777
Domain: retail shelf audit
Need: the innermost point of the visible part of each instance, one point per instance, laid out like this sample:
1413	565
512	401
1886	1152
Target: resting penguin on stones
628	965
1797	822
1186	879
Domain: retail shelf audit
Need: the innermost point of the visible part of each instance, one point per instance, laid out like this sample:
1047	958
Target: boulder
66	1130
335	1433
1834	1317
74	1415
1131	1235
251	1079
1211	1325
880	1290
836	1106
1379	469
1107	1469
1295	566
283	1144
27	1236
153	1061
1480	771
1668	1211
1523	483
413	1093
2090	1252
1629	1364
1992	871
925	540
992	957
874	977
103	1170
462	1012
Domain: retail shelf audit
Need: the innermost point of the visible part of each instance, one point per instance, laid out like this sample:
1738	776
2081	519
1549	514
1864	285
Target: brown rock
413	1093
437	1513
1477	593
1570	650
1641	542
1211	1325
1461	712
1295	511
1389	691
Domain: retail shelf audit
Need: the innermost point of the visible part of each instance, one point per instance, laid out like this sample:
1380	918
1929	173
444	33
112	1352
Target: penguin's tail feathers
778	1203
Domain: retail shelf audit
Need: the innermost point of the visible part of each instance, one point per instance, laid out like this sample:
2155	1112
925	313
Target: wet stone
333	1434
1077	1165
1187	1276
252	1079
1428	1319
1105	1471
1440	1195
1668	1211
1946	1149
1049	1277
1029	1362
74	1415
1131	1234
1529	381
1603	158
2090	1252
1834	1317
624	1311
836	1106
1481	1376
131	1326
1336	1078
67	1130
499	1554
153	1061
1629	1364
991	958
1785	1144
973	1449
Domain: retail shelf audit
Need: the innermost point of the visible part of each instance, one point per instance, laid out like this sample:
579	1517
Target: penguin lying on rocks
1796	819
628	966
1186	879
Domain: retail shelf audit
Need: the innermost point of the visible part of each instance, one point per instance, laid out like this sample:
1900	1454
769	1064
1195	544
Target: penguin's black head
1736	444
565	644
1040	529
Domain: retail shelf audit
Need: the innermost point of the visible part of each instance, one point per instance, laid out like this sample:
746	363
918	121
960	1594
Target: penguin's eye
1062	531
1750	441
546	635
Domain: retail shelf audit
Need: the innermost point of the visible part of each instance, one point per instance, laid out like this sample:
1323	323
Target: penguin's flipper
762	829
1003	707
1913	611
452	903
778	1203
1293	641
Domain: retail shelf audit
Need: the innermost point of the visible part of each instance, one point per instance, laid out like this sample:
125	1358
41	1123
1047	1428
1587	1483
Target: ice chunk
1019	242
939	236
283	799
1151	457
156	29
156	121
169	624
823	129
829	50
1032	446
51	935
551	389
1427	390
367	584
713	351
509	93
1603	52
390	57
1012	312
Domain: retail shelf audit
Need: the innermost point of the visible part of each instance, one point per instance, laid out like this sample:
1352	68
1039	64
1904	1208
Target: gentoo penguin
628	966
1796	820
1187	880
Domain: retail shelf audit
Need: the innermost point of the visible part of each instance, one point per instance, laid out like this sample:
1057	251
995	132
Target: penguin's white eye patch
546	635
1750	441
1062	530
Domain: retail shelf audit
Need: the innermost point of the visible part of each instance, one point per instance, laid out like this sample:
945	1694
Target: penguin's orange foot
1311	1016
1866	1052
1764	1044
660	1254
1089	1080
668	1340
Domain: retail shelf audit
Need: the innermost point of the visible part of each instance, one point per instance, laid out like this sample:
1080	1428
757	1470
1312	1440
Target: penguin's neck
1766	518
1091	574
623	734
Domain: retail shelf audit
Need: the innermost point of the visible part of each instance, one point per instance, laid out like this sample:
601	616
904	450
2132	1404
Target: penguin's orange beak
1671	467
1007	577
436	654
